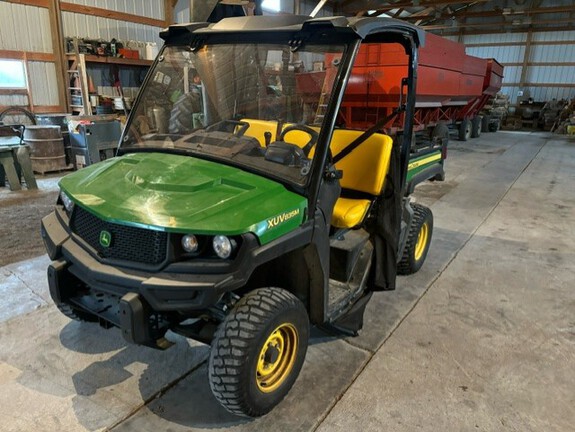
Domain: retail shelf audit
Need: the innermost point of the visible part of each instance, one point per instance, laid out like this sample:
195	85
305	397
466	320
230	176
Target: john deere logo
105	238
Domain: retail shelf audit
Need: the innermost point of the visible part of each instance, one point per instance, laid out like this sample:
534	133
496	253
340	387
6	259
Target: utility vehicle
240	209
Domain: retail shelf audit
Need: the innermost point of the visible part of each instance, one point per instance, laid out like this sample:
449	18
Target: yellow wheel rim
277	358
421	243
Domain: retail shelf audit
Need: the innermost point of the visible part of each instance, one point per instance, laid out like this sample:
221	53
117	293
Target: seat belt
364	136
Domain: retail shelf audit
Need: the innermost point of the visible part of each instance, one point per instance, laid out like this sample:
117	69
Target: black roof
362	26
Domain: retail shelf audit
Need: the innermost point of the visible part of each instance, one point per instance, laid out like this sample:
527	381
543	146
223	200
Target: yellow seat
258	128
364	170
299	138
348	212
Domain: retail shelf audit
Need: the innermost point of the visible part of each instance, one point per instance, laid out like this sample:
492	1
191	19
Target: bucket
151	50
46	148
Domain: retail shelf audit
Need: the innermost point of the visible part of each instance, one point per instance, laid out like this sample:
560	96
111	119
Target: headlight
223	246
68	203
190	243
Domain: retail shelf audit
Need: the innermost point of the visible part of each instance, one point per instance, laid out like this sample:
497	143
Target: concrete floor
482	338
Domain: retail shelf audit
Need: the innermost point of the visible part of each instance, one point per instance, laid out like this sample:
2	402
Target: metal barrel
46	147
58	119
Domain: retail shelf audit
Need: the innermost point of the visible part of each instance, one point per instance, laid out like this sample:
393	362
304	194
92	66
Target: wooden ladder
323	100
78	70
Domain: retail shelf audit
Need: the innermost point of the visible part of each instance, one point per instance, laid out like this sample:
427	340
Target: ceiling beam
423	13
497	13
500	24
353	6
500	30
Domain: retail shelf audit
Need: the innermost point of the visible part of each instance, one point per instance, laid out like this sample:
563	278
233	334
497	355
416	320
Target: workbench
14	162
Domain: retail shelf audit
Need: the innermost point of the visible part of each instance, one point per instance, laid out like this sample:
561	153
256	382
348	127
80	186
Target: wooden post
169	6
61	62
526	57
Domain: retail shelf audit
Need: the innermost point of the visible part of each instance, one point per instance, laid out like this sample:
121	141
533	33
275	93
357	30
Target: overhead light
507	11
234	2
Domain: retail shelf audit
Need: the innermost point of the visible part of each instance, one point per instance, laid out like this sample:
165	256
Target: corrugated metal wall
24	28
145	8
85	26
43	84
27	28
535	74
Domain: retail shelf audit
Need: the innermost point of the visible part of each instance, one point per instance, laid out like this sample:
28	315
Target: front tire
418	240
258	351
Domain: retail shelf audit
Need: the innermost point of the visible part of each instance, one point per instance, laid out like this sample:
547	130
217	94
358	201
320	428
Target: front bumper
164	291
113	293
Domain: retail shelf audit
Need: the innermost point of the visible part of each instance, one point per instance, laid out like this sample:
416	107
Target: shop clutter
114	48
497	108
564	122
555	115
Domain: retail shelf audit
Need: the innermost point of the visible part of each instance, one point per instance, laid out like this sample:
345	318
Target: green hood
184	194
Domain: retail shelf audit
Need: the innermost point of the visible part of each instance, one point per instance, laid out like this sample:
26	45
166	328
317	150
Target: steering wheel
302	128
219	126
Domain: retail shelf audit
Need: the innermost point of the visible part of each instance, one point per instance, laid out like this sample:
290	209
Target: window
272	5
12	74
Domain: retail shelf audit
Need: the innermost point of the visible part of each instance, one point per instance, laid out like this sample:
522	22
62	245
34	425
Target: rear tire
476	127
494	126
418	240
23	116
465	130
182	114
485	123
258	351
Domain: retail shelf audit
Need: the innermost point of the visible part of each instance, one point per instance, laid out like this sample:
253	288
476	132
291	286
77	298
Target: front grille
127	243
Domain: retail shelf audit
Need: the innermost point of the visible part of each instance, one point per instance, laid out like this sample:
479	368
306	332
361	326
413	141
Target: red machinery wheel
476	127
465	130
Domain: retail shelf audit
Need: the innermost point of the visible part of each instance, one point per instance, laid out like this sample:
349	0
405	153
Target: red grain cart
452	87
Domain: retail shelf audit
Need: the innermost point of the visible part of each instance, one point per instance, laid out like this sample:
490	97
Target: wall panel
495	38
24	28
43	86
503	54
553	53
146	8
8	100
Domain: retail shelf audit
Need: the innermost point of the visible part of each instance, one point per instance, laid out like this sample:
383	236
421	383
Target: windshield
254	106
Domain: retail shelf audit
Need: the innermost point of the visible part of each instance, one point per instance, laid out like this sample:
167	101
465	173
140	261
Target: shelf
112	60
